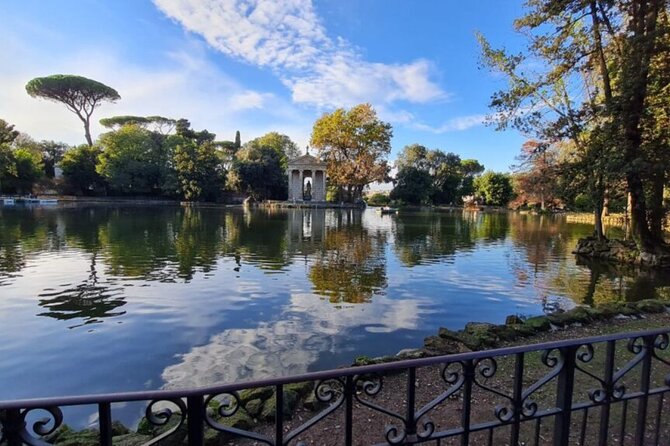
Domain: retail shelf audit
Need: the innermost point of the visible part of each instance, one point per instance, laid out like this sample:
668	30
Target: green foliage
7	133
7	167
29	169
199	171
158	124
412	186
79	94
377	199
258	172
451	177
238	141
355	144
183	129
130	160
495	188
286	149
79	170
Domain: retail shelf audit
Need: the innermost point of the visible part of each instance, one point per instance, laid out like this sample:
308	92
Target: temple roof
306	160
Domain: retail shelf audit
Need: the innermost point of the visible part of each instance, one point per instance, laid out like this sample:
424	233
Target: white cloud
248	100
187	85
455	124
289	38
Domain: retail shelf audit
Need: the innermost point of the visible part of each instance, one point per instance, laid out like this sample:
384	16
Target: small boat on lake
385	210
7	201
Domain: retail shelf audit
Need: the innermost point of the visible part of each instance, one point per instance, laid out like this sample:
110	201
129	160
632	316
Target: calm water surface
99	299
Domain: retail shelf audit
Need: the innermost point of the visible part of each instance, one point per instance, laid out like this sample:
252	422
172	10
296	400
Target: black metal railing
593	391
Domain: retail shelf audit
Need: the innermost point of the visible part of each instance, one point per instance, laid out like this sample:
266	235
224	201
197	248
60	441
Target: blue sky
264	65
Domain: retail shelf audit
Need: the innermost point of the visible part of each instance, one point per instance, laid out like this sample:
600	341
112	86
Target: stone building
306	179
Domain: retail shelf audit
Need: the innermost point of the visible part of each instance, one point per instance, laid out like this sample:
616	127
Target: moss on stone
648	306
254	407
577	315
538	323
270	406
260	393
302	389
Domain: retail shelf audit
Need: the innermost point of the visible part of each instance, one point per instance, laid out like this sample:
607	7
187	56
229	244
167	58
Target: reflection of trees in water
429	237
25	232
258	237
609	281
350	265
89	302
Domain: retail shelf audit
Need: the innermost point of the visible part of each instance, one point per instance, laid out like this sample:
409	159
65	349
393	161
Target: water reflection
429	237
173	297
349	266
344	254
88	302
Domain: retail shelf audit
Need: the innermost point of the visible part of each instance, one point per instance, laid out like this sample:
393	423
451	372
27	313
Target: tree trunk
656	210
606	203
597	213
629	206
87	132
638	213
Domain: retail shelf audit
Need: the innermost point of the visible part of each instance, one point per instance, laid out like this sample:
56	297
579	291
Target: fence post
565	387
196	419
13	425
645	378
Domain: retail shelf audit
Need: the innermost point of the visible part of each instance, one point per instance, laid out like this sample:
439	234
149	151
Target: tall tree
199	171
595	64
282	144
79	94
495	188
257	171
130	160
238	140
79	170
7	132
355	144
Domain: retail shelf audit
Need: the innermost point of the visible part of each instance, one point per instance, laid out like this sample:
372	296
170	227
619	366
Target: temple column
323	184
301	197
289	172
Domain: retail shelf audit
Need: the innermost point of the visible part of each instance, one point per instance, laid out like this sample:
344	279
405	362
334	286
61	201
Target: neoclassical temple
306	179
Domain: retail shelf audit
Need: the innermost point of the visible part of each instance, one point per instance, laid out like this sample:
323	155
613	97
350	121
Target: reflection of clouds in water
287	345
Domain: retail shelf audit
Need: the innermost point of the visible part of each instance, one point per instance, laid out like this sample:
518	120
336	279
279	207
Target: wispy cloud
454	125
289	38
186	85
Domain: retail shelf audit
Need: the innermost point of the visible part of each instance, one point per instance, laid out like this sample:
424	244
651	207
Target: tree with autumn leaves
355	144
593	77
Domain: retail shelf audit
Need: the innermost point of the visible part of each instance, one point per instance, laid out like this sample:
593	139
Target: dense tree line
434	177
592	87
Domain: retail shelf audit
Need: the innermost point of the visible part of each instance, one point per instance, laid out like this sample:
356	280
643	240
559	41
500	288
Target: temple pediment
306	160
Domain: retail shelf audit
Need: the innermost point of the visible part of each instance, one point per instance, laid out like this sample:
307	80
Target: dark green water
98	299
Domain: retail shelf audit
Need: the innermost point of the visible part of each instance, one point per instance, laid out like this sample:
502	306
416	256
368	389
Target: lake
120	298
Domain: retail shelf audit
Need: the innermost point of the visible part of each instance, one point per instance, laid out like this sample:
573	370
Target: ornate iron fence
601	390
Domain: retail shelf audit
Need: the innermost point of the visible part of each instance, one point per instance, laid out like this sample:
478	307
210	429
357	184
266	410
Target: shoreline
257	406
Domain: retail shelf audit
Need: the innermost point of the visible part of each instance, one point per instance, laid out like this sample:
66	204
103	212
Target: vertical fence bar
196	420
603	439
661	398
14	424
469	376
645	378
410	422
348	411
624	414
565	387
516	401
105	422
279	415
